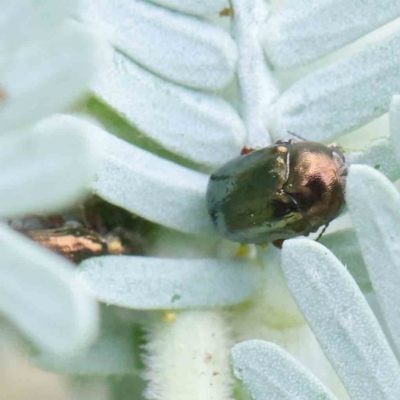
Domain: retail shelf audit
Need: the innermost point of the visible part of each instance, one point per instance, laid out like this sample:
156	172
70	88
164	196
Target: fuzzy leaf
41	293
302	31
195	125
340	318
40	19
195	7
338	98
379	155
395	129
157	283
45	168
269	373
374	205
48	77
344	245
152	187
258	87
181	48
111	354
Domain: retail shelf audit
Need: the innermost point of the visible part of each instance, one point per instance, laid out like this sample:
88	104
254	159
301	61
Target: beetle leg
246	150
322	232
297	135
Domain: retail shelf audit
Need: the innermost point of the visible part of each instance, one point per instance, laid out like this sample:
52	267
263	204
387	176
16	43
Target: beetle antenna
323	231
296	135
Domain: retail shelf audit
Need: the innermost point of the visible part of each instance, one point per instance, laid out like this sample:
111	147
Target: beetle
278	192
93	228
77	243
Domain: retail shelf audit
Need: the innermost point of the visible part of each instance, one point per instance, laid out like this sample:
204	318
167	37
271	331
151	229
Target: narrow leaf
157	283
344	245
41	293
341	320
111	354
374	205
337	98
40	19
186	50
49	77
269	373
257	85
195	125
379	155
395	127
302	31
152	187
45	168
194	7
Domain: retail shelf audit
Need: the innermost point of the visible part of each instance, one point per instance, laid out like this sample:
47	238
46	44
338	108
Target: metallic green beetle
278	192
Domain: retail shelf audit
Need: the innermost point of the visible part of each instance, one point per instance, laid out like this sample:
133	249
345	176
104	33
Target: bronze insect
77	243
278	192
93	229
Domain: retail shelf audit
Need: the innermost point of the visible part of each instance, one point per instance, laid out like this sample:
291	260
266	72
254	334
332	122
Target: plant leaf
48	77
374	205
41	19
41	293
395	128
111	354
184	49
302	31
157	283
257	85
341	320
344	245
337	98
46	168
194	7
195	125
152	187
379	155
269	373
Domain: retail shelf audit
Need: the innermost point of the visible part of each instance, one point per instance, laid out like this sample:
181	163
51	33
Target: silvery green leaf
269	373
157	283
181	48
195	125
374	205
195	7
302	31
112	353
379	155
341	320
258	87
43	296
395	127
46	167
152	187
344	245
338	98
47	77
40	18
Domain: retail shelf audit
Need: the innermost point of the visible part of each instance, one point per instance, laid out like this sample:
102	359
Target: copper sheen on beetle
278	192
